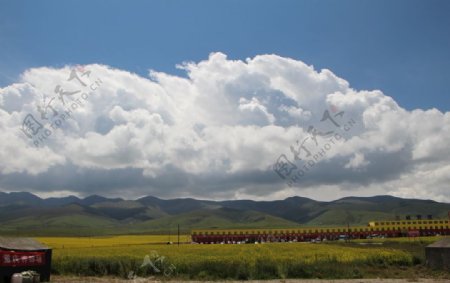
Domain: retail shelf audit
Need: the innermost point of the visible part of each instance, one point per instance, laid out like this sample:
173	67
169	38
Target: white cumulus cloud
216	133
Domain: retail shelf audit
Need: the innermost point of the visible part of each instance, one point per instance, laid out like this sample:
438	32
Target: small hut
438	254
22	254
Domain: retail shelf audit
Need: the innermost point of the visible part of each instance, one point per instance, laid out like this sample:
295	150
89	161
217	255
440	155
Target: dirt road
60	279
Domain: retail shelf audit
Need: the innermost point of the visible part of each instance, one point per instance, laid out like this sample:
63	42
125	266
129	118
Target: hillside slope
25	213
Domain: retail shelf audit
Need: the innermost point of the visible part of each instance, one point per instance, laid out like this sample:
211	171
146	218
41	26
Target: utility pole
168	242
348	232
178	234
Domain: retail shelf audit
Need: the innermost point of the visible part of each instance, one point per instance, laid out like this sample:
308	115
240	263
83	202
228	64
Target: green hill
216	218
26	214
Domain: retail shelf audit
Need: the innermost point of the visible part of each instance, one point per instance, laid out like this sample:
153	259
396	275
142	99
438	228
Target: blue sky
400	47
217	128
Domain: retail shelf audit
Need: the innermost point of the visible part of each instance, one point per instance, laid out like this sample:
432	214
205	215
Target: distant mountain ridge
25	213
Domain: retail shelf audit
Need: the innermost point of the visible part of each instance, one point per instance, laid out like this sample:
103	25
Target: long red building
397	228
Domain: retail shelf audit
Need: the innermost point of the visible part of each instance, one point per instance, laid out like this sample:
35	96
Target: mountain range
23	213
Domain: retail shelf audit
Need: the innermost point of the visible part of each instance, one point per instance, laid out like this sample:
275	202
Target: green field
124	255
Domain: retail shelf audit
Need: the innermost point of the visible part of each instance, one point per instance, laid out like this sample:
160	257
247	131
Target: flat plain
151	258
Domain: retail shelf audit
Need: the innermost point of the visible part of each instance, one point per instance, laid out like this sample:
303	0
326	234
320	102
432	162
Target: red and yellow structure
397	228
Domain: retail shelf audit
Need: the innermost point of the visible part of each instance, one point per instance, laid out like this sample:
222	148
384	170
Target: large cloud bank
215	133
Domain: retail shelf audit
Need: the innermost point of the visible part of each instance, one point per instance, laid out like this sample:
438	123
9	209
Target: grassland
73	244
123	256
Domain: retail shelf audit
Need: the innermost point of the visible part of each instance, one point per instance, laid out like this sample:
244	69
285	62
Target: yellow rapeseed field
73	243
118	255
139	246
